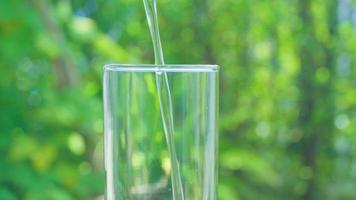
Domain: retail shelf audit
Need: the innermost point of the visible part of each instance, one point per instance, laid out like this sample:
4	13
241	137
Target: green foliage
288	91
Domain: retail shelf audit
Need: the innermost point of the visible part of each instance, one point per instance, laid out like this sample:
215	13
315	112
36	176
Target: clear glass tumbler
138	161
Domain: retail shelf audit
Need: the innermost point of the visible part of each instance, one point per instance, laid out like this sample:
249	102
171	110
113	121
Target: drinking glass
137	159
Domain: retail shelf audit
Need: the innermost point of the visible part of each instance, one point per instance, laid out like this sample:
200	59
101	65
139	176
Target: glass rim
161	68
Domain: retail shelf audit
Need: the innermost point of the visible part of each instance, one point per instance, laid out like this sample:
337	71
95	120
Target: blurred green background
287	95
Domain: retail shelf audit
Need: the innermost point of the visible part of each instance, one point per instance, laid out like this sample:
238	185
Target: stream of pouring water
165	98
